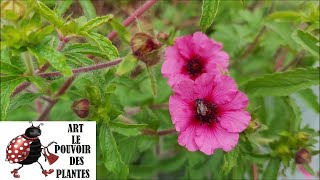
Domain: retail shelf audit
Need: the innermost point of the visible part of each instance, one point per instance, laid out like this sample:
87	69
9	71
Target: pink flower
209	113
192	56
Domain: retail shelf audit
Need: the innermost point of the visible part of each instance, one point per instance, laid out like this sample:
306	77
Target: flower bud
146	48
163	37
303	156
303	136
254	125
81	108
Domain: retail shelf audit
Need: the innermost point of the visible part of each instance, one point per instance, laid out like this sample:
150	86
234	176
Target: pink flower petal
239	101
210	138
224	90
187	137
181	114
234	121
173	63
185	46
186	89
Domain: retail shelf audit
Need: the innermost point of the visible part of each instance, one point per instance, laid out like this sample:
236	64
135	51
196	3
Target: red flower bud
145	48
303	156
81	108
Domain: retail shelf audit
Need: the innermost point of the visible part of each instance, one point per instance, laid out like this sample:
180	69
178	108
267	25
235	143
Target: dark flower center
206	112
194	67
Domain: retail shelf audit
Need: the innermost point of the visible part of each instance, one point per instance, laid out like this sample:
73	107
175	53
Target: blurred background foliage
129	102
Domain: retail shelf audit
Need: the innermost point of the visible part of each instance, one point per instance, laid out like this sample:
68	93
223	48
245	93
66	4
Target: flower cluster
207	108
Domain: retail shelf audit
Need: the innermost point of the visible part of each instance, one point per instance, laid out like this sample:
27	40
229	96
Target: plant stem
255	172
25	84
28	62
134	15
159	133
83	69
62	90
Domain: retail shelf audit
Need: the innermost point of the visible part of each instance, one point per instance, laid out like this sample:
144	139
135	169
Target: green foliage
56	59
50	15
272	170
209	12
111	156
307	41
274	54
284	83
311	99
93	23
88	9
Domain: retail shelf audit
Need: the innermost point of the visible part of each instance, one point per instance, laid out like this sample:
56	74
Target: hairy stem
26	84
147	5
255	172
83	69
44	115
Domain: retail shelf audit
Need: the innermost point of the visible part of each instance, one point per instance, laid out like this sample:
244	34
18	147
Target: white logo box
52	131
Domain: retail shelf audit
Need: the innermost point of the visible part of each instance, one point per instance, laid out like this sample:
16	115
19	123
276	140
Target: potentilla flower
209	113
192	56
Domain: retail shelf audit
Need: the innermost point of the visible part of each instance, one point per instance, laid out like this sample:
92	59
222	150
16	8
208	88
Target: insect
205	112
26	149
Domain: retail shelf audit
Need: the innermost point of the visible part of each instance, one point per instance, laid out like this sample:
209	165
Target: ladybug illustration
26	149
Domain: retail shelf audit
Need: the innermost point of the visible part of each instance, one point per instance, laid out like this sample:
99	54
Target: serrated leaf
111	155
104	44
56	59
86	49
10	69
307	41
310	98
93	23
209	12
271	172
5	92
121	30
40	34
22	100
50	15
71	27
283	83
127	129
127	65
79	58
230	160
88	9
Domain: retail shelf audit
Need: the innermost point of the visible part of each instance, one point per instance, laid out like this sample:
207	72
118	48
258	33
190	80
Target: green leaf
88	9
71	27
153	81
307	41
50	15
79	58
308	169
127	65
271	172
209	12
104	44
127	129
310	98
93	23
111	155
230	160
283	83
5	93
40	34
64	6
86	49
9	79
22	100
56	59
285	16
10	69
121	30
295	121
